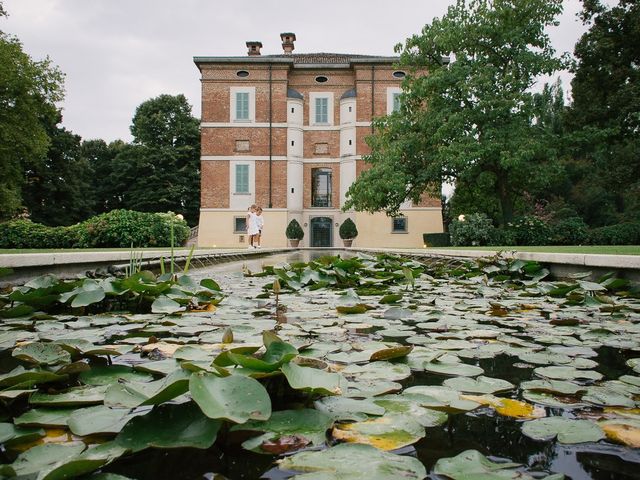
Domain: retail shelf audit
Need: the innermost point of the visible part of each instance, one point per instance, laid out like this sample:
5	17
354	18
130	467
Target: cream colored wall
375	230
216	229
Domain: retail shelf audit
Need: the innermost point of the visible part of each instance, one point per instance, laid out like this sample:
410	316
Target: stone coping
577	259
25	260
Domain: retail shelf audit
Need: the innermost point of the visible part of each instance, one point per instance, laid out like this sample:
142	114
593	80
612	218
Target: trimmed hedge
436	239
473	229
115	229
348	230
570	231
620	234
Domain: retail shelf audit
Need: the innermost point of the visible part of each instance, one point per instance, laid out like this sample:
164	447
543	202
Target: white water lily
461	218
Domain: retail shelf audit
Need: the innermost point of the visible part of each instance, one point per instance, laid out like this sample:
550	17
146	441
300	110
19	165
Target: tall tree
28	92
58	187
101	157
605	115
474	113
161	170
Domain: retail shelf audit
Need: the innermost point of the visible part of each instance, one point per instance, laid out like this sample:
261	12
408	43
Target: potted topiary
294	233
348	232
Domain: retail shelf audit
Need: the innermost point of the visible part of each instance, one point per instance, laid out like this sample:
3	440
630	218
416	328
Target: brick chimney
254	48
287	42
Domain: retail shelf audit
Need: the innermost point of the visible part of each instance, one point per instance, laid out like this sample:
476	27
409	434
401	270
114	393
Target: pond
436	366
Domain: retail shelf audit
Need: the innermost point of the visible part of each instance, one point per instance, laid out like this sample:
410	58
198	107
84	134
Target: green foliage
123	228
570	231
530	230
27	103
473	229
26	234
118	228
473	114
58	188
348	230
294	230
621	234
603	120
437	239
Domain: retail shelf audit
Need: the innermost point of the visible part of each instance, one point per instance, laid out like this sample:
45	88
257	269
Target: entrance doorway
321	232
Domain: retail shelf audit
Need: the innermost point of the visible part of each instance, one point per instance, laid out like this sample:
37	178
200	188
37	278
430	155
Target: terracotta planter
294	243
347	242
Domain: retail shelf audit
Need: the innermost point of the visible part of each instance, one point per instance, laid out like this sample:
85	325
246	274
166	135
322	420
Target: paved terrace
28	265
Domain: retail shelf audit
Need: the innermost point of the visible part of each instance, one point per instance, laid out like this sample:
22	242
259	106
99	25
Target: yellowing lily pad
388	432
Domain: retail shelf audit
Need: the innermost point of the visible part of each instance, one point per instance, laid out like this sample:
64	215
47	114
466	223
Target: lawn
83	250
590	249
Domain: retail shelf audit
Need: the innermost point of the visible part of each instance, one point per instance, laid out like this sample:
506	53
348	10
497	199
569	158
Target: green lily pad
453	369
355	462
606	397
287	430
342	408
481	384
42	458
313	380
567	373
169	426
378	371
567	430
552	400
391	353
10	434
133	394
277	354
553	386
40	353
99	420
44	417
472	465
110	374
410	406
88	297
74	397
27	378
235	398
164	304
442	398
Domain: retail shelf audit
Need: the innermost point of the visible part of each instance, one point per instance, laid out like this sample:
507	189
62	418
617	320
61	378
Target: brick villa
287	132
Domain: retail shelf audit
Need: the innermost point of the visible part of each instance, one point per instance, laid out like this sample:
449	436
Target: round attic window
242	73
399	74
321	79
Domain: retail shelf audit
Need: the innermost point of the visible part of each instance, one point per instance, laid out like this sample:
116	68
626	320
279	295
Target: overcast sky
118	53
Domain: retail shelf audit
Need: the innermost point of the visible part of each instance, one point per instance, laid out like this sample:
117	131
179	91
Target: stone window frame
235	224
312	108
233	91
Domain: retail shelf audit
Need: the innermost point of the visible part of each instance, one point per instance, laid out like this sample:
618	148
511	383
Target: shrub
473	229
26	234
529	230
294	230
436	239
620	234
348	230
123	228
503	237
570	231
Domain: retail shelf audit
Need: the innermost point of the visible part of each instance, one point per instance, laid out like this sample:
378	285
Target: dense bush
569	231
118	228
26	234
473	229
529	230
294	230
348	230
620	234
123	228
436	239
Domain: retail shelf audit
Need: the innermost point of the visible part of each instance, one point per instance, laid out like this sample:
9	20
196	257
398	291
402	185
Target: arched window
321	187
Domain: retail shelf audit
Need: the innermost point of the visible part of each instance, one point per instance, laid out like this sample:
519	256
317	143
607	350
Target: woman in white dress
260	220
252	225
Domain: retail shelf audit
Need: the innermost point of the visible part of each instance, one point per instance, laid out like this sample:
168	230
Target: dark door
321	232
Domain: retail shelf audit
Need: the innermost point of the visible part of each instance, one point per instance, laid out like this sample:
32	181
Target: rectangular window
396	102
322	110
242	105
321	187
399	225
242	179
239	224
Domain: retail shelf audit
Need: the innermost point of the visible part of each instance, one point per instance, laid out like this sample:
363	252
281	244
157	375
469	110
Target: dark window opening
399	74
240	225
321	79
242	73
350	142
399	225
321	187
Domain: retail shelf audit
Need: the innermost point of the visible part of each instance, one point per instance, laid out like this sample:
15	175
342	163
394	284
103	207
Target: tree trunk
506	199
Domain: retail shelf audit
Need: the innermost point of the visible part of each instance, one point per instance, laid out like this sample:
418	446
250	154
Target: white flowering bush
471	230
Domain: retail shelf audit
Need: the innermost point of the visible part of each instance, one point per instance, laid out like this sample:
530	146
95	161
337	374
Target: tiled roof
301	59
